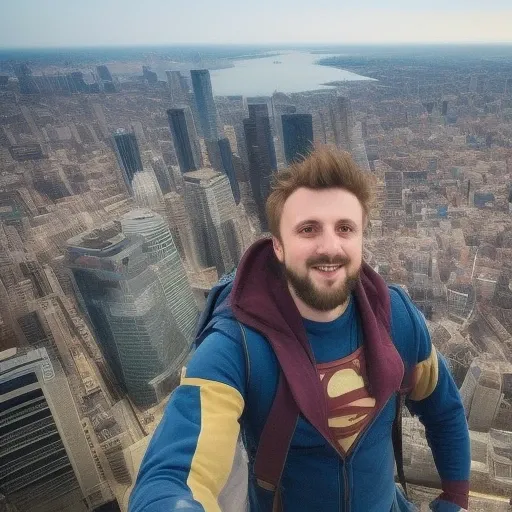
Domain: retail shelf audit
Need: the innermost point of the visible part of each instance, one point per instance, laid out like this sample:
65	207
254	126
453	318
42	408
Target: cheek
297	254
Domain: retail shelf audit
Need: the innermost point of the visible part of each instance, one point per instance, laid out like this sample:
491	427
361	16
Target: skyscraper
221	159
342	122
164	256
261	154
394	187
104	73
128	155
202	86
184	136
127	307
45	460
218	228
178	91
297	136
164	177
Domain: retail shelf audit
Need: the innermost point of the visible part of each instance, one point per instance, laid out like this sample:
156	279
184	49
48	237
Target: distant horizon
276	45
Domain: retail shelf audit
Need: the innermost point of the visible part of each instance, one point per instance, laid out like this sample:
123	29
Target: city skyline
125	196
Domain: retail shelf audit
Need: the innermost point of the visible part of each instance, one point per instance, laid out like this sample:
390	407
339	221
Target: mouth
327	270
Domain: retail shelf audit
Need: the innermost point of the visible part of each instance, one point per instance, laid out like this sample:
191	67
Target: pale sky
42	23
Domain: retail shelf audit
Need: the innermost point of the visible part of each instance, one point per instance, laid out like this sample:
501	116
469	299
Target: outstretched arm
436	401
191	454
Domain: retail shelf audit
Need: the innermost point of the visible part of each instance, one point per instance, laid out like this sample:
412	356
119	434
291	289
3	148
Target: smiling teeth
328	269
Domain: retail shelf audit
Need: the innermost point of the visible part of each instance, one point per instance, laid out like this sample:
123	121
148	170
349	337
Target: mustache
326	260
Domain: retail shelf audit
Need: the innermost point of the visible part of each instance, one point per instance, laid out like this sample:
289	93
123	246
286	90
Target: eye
345	229
307	229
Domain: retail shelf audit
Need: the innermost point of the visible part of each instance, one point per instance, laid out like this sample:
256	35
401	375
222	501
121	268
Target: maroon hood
261	300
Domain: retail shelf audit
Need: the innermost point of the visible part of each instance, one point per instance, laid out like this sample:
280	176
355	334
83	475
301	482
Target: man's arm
436	401
190	456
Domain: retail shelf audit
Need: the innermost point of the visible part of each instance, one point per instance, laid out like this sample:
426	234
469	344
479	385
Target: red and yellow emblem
349	405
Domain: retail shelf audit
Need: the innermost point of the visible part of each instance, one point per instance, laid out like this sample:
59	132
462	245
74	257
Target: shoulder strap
398	449
276	435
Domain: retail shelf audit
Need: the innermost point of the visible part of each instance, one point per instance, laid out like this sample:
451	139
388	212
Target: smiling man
306	352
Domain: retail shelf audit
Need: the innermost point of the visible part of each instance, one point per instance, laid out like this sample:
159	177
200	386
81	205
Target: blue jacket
229	385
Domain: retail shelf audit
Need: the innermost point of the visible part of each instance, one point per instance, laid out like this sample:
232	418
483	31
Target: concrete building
221	159
394	188
45	461
177	87
218	228
342	121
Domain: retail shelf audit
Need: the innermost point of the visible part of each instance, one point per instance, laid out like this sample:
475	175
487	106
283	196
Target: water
297	72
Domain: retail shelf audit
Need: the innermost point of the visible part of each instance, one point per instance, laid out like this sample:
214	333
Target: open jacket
229	385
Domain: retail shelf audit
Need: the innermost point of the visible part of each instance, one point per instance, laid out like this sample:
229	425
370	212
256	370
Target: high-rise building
394	187
149	75
221	159
184	136
104	73
202	86
127	307
128	155
146	190
261	154
342	122
176	86
45	460
164	257
162	173
181	228
218	228
485	402
297	136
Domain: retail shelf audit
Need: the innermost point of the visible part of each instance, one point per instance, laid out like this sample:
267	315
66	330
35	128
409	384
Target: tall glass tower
128	155
184	136
297	136
261	154
127	307
203	93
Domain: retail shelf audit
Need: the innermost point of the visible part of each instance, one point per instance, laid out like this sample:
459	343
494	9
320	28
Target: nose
330	243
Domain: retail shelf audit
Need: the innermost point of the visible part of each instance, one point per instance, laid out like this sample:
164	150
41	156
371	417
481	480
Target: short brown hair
325	167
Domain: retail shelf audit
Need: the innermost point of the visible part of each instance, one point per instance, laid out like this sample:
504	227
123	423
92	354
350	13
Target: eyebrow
316	222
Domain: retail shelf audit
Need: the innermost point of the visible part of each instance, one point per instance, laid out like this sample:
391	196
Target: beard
322	300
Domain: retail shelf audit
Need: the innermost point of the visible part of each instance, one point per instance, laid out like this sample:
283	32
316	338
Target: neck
310	313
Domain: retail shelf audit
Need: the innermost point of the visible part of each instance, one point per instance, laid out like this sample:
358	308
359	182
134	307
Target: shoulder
220	357
408	327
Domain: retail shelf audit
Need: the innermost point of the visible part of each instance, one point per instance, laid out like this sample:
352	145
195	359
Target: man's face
321	246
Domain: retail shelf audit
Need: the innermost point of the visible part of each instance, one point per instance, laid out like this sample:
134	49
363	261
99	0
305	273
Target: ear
278	249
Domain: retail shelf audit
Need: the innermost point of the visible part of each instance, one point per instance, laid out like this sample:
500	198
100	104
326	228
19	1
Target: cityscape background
131	179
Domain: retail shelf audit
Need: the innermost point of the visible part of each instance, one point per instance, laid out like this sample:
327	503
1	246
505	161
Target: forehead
329	205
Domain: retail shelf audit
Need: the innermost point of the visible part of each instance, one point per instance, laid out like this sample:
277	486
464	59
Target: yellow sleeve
425	377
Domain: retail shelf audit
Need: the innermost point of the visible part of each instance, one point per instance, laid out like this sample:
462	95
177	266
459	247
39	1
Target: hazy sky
26	23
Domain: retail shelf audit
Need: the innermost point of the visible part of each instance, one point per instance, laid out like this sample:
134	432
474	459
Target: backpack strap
276	435
396	436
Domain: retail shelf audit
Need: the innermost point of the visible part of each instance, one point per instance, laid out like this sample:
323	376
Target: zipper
345	458
347	493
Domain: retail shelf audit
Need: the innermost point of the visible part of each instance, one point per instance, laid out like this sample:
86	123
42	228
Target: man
314	322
